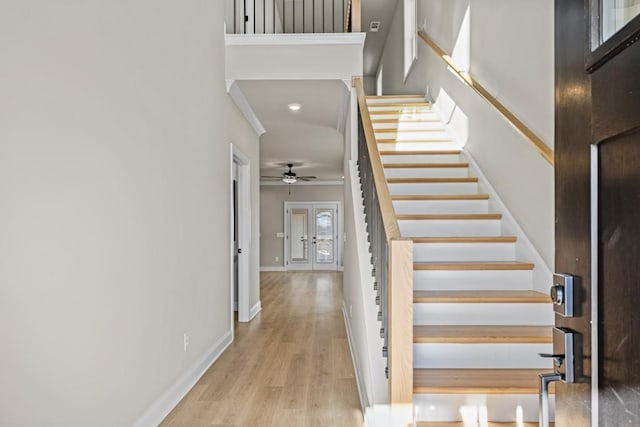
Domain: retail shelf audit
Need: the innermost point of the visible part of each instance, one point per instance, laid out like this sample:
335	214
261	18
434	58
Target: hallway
290	366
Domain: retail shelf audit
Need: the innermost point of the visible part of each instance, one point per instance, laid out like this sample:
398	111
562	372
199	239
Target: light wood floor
289	367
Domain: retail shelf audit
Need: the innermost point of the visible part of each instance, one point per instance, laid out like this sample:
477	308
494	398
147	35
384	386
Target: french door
311	238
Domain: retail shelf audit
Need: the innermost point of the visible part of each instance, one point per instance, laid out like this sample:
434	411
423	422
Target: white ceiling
309	136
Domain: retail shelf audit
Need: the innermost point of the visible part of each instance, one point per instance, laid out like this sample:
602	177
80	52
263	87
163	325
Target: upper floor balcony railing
292	16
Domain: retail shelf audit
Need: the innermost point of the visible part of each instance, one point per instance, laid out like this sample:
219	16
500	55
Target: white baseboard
362	392
157	412
341	268
267	268
257	308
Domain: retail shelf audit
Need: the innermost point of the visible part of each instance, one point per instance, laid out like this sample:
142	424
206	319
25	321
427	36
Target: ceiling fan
289	177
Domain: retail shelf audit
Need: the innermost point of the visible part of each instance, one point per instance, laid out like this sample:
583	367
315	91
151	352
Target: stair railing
545	151
392	260
291	16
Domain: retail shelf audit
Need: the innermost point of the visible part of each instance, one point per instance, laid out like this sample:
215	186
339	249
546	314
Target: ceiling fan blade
306	178
270	177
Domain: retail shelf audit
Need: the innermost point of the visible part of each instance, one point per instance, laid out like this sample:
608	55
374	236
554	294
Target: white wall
272	198
510	52
243	136
360	310
114	181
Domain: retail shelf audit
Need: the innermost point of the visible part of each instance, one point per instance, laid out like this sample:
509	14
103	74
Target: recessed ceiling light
295	107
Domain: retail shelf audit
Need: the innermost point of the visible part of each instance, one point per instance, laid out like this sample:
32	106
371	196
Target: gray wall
511	53
114	181
272	198
244	137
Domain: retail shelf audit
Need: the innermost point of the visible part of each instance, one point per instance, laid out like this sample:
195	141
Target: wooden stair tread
477	381
419	197
472	266
431	180
527	297
424	165
448	217
470	239
481	334
489	424
419	152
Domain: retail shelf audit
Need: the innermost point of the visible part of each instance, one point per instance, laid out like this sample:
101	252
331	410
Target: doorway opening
240	231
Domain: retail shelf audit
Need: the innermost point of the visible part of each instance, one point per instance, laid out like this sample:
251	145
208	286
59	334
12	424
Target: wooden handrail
400	272
386	204
347	16
545	151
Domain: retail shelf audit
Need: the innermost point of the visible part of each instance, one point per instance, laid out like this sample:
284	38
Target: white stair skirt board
407	207
461	280
408	189
446	227
482	356
421	158
524	314
459	252
440	172
500	407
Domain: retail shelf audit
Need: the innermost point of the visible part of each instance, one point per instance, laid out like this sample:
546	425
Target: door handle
545	380
565	343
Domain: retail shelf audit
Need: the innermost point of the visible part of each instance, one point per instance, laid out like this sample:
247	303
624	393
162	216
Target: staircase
478	325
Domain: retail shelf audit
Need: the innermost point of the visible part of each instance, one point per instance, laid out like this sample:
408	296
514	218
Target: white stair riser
441	206
500	407
393	100
407	189
482	356
404	108
417	146
435	135
482	314
499	280
406	125
460	252
443	172
444	228
406	115
422	158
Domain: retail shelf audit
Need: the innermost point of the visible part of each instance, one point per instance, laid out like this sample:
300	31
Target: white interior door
312	236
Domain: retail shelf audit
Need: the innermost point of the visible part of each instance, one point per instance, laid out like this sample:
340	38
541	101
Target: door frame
339	231
244	232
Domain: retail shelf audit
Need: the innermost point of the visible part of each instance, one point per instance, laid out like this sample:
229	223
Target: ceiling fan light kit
290	177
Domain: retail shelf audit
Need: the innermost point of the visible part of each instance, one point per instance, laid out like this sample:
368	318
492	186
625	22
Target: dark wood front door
598	205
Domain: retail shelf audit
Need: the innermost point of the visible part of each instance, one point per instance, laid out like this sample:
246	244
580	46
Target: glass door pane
616	14
299	235
324	232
